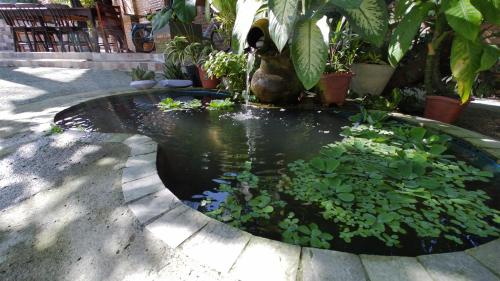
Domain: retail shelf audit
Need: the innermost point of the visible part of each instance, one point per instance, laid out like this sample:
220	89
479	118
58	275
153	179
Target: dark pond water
199	147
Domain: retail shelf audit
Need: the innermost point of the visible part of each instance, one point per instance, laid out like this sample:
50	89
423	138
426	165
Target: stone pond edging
247	257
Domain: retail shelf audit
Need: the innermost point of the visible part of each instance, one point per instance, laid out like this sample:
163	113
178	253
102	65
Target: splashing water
250	63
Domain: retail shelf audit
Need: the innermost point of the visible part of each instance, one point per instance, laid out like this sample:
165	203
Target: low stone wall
6	42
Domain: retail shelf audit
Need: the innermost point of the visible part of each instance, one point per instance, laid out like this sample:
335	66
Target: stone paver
217	245
143	148
179	224
386	268
456	267
135	189
154	205
318	265
267	260
488	254
484	142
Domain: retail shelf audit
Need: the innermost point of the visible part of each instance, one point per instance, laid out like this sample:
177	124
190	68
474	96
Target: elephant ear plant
182	10
460	20
303	24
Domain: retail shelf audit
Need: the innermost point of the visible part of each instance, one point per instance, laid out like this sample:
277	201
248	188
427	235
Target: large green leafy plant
182	10
231	67
459	19
304	25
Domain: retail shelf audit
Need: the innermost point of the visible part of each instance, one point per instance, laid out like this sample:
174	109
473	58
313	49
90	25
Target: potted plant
175	53
229	67
304	27
372	73
174	78
335	81
461	23
198	53
142	79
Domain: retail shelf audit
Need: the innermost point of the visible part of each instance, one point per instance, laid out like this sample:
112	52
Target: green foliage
304	25
220	104
175	50
247	202
55	129
182	10
230	66
383	181
140	73
382	103
198	53
304	235
225	16
459	19
343	50
172	71
169	104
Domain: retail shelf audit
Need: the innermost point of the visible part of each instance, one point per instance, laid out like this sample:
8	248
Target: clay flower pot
370	78
334	87
443	109
207	82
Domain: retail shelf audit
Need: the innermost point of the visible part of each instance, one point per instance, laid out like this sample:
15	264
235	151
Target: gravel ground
62	215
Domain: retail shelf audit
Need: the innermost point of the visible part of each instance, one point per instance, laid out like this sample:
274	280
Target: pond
201	150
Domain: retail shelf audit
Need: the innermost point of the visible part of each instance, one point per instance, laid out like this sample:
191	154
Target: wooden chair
20	33
42	36
110	27
71	30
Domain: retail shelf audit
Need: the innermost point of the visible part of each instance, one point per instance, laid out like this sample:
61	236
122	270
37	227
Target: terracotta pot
443	109
370	78
206	82
334	87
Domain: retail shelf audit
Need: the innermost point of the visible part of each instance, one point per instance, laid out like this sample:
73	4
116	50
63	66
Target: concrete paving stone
267	260
154	205
139	172
485	142
488	254
494	152
143	148
456	266
319	265
387	268
177	225
140	160
136	189
217	245
137	139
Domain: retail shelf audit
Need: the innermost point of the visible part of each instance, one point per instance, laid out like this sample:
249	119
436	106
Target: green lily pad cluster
304	235
220	104
384	181
169	104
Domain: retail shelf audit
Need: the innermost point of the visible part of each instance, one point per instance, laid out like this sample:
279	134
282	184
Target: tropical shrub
231	67
140	73
182	10
304	25
460	20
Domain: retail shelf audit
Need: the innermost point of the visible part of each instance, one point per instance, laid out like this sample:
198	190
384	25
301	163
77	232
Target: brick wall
6	42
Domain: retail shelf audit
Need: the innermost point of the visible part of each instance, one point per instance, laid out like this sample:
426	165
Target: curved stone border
248	257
